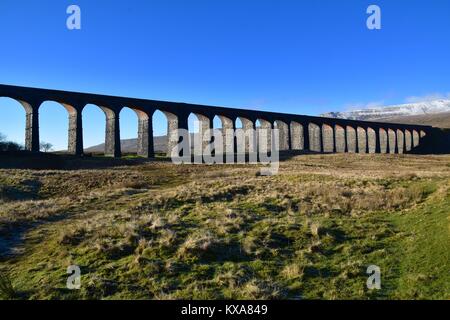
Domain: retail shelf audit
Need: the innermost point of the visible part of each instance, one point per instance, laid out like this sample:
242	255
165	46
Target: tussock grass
161	231
7	290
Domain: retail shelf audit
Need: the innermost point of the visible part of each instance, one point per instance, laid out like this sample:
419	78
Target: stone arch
362	139
392	141
94	128
315	137
416	138
327	138
340	139
408	141
351	140
129	129
53	126
371	140
297	136
205	129
217	130
384	142
283	131
11	122
143	128
172	137
112	131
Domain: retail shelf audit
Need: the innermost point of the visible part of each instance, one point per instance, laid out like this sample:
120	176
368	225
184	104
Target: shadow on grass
61	161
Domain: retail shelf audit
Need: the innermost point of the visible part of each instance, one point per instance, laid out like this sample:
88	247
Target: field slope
153	230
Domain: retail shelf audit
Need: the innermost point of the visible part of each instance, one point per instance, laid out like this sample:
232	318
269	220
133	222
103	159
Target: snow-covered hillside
410	109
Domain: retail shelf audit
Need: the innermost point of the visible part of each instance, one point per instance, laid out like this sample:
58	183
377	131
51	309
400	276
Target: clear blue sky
304	57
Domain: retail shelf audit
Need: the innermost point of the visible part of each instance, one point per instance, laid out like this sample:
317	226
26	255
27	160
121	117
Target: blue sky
305	57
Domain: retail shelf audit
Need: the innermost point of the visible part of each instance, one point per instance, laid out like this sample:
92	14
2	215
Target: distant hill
426	108
440	120
130	145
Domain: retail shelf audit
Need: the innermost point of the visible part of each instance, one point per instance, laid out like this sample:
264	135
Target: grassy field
152	230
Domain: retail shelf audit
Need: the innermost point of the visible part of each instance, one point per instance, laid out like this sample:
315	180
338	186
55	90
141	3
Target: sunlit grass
159	231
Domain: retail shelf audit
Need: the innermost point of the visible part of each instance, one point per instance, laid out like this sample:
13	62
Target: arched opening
194	124
416	138
129	130
218	130
297	137
199	129
94	124
340	139
371	140
314	137
54	126
165	128
383	141
351	139
283	134
392	140
408	141
362	140
13	120
328	138
400	141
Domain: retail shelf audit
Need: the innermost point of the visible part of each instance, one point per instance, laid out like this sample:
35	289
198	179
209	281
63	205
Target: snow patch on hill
394	111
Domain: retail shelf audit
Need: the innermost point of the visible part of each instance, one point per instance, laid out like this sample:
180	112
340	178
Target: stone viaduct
296	132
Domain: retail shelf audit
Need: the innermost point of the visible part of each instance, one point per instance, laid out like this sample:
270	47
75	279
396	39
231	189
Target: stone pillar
112	134
249	134
32	128
145	146
283	134
205	124
296	137
227	134
356	140
267	132
75	132
172	132
174	123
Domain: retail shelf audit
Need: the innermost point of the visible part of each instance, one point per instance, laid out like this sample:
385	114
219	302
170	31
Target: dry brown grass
213	231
